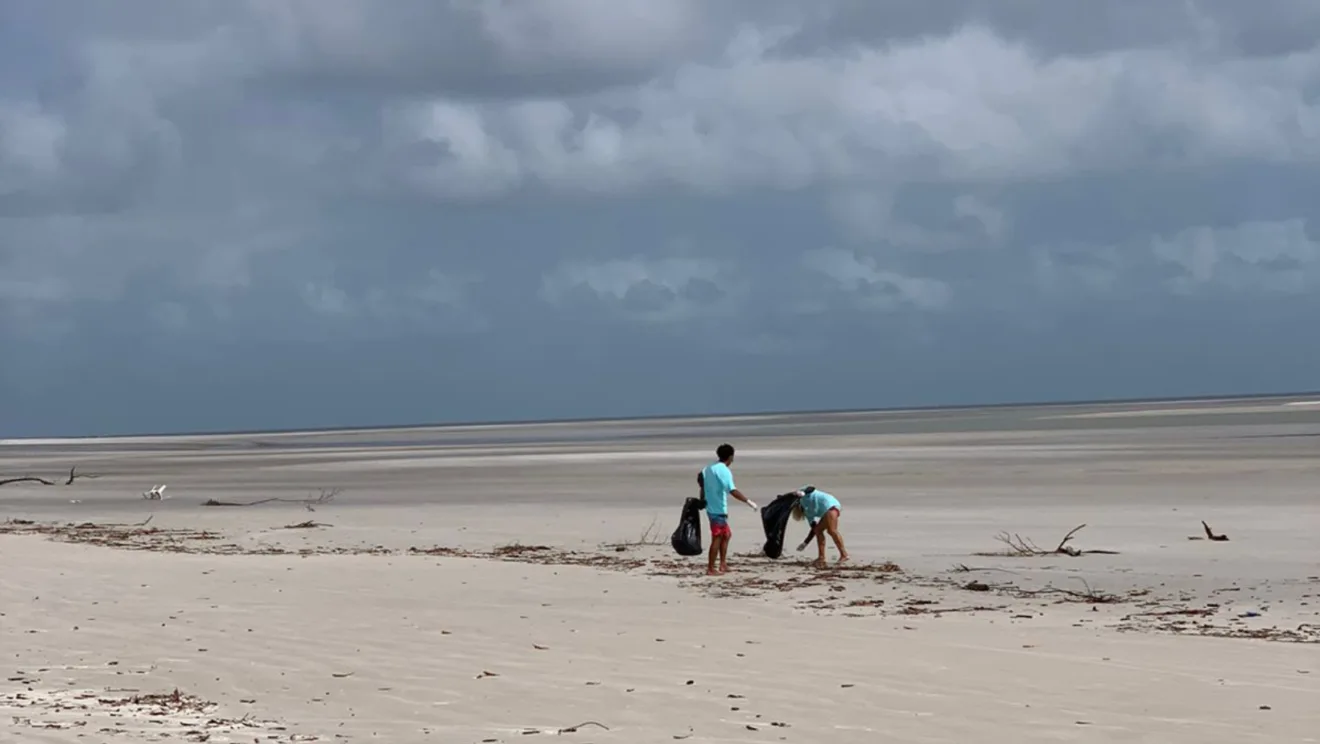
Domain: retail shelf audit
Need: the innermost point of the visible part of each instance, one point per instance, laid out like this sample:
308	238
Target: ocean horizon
739	423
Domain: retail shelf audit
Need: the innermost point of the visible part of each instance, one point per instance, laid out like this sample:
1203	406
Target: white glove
751	504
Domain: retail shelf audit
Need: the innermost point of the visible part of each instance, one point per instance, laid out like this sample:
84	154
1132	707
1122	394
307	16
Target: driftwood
324	497
68	480
559	732
1020	546
308	525
573	729
1210	534
27	479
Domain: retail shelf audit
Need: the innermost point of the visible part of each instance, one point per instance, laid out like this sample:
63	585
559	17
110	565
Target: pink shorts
719	526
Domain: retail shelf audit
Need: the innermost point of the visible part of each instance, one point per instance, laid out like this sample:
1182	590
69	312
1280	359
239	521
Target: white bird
157	493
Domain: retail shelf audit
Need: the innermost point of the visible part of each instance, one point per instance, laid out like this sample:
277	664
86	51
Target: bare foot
843	558
819	563
724	569
712	572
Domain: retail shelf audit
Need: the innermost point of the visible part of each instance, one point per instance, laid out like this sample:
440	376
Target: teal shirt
718	480
816	503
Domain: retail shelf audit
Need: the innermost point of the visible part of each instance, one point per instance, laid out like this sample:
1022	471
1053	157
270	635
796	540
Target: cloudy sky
286	213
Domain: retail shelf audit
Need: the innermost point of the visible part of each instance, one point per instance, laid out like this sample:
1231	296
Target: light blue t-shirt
718	482
816	503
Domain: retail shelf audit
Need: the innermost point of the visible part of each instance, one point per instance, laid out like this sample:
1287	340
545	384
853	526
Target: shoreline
1145	406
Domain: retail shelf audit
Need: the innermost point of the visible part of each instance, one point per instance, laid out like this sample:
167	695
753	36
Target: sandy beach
500	583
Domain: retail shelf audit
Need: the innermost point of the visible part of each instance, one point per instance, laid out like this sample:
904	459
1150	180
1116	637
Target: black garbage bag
687	538
774	519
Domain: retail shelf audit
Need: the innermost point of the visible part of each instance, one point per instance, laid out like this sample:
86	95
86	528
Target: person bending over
717	485
821	510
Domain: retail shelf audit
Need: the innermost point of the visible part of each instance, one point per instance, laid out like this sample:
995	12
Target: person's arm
739	495
810	535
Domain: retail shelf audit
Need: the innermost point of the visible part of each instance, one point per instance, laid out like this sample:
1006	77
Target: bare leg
820	548
831	523
724	554
714	553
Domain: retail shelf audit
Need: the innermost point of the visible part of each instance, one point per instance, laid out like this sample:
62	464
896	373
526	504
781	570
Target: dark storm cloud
341	212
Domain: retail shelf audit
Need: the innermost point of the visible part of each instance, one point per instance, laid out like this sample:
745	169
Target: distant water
1290	410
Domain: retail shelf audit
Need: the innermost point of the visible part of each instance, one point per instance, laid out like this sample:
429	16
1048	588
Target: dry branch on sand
1019	546
308	525
67	481
558	732
652	535
964	568
324	497
1087	594
27	479
1210	534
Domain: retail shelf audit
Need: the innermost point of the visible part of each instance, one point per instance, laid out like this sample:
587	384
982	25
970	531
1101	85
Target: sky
254	214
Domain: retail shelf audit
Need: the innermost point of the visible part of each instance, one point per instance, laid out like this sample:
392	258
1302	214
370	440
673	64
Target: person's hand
802	546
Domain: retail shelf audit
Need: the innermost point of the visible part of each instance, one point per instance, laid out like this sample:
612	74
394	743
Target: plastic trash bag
686	539
774	519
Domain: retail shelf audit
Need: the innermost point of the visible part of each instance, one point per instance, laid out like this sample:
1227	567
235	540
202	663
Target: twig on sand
964	568
309	524
518	549
324	497
573	729
75	475
1020	546
1088	595
1210	534
652	535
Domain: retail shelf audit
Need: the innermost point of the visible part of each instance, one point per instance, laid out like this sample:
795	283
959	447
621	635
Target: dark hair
724	451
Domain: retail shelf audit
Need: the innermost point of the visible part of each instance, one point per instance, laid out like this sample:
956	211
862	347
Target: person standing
717	486
821	510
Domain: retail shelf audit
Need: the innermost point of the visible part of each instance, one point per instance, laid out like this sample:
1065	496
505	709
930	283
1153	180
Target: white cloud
667	289
1261	256
437	302
31	146
468	160
873	287
993	223
326	299
867	215
968	107
1073	273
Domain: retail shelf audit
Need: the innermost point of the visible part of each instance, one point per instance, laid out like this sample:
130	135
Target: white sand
394	646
